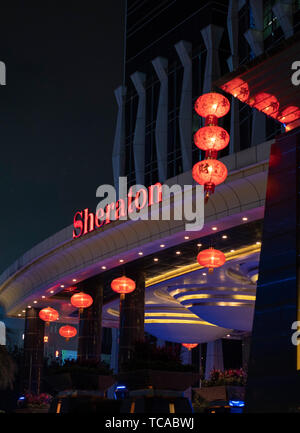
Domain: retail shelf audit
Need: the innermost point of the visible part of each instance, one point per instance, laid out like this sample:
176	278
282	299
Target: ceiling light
28	306
214	228
199	245
51	291
258	243
19	314
232	251
62	286
178	252
245	219
140	253
74	279
43	297
186	237
224	237
121	260
204	273
162	246
35	302
103	267
156	259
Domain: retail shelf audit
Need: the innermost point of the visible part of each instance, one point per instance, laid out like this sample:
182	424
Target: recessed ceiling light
28	306
199	245
228	335
121	260
74	279
43	297
224	237
140	253
204	273
186	237
214	228
19	314
245	219
103	267
232	251
156	259
35	302
258	243
62	286
23	311
162	246
51	291
178	252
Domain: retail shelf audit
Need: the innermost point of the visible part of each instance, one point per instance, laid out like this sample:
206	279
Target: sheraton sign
141	203
137	199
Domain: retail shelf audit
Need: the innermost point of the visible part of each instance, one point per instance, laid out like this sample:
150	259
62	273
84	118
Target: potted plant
224	385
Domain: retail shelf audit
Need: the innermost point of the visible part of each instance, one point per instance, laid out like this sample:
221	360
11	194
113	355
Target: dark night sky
57	114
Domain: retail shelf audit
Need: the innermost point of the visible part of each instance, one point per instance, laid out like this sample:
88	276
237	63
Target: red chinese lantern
48	314
67	332
289	114
211	259
212	106
237	88
81	300
123	285
266	103
212	139
190	346
209	172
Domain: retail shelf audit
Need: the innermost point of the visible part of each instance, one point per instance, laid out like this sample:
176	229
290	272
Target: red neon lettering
89	223
108	209
77	225
120	209
99	221
158	188
136	200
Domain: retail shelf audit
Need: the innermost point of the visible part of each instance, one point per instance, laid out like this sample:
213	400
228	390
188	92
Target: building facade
173	54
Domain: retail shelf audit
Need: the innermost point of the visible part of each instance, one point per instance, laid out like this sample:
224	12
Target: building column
90	323
184	51
131	320
118	154
212	35
161	129
138	79
283	10
232	61
114	349
186	355
273	374
33	351
214	357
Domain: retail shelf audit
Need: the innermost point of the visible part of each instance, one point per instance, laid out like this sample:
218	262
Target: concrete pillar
33	351
114	349
184	51
233	61
214	357
186	355
118	154
138	79
283	10
161	129
131	320
90	323
212	35
254	36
